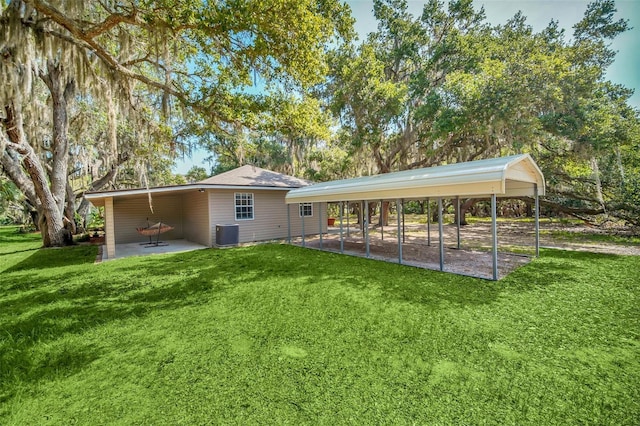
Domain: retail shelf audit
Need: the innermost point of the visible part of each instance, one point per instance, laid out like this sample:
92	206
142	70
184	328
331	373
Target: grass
276	334
562	235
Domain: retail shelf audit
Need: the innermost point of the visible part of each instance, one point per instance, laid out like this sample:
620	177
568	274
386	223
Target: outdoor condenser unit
227	235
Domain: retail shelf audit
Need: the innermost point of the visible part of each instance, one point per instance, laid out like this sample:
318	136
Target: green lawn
276	334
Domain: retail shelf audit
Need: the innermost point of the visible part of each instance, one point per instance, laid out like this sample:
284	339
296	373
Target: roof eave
161	190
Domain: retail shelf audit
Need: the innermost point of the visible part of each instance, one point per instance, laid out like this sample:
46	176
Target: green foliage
96	219
270	334
196	174
329	162
151	80
13	208
446	87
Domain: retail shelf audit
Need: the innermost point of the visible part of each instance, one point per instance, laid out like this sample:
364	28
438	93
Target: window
244	206
306	209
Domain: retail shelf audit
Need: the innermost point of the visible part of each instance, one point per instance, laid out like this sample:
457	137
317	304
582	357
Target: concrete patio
144	249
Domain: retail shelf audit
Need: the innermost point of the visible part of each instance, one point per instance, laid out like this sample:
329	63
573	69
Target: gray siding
131	213
270	215
196	218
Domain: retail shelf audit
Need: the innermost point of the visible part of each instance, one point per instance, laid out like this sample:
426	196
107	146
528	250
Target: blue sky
625	70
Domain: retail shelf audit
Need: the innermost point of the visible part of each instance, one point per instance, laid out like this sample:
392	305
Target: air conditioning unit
227	235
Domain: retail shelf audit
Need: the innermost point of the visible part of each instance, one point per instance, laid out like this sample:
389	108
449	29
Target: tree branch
82	40
112	21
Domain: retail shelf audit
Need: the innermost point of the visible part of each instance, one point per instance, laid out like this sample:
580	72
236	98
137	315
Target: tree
446	87
157	64
196	174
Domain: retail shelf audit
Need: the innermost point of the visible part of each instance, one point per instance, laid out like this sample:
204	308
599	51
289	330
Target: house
250	197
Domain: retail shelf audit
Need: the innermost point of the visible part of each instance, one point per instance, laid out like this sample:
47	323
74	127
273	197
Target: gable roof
242	178
513	176
255	176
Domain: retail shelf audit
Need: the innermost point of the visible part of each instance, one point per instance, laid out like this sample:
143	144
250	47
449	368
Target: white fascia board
169	189
422	186
533	172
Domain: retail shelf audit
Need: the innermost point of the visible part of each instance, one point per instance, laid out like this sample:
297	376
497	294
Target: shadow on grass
55	257
18	251
64	302
72	300
12	234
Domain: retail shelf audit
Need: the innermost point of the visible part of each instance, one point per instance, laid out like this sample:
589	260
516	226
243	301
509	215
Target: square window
244	205
306	209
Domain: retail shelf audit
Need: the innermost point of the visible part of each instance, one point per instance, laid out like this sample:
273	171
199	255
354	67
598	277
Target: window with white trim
244	205
306	209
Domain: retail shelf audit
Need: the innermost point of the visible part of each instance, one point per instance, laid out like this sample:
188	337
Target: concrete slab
137	249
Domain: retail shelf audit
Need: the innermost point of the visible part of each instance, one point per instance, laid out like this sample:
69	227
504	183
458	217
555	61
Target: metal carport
504	177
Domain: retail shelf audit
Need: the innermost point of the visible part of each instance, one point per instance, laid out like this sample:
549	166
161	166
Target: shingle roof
242	177
255	176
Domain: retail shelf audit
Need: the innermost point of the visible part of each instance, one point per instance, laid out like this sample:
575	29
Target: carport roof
513	176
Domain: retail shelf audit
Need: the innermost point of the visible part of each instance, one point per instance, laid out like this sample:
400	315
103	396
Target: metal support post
441	232
341	235
382	220
402	204
365	224
348	226
494	236
428	222
320	223
458	219
537	213
399	241
302	216
289	223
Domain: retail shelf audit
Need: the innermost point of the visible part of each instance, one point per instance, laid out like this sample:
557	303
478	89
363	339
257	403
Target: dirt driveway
516	243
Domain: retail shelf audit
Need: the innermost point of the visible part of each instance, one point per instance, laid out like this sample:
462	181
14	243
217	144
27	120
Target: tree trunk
357	210
53	231
371	208
60	161
596	174
10	163
384	214
464	208
51	224
620	166
70	211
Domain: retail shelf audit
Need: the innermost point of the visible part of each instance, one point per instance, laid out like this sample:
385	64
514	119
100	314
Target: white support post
494	236
109	228
441	232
